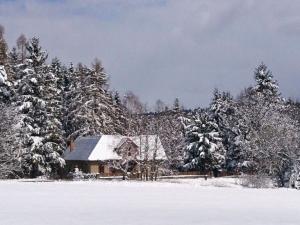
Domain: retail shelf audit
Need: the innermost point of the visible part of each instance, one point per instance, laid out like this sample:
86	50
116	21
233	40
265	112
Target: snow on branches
204	149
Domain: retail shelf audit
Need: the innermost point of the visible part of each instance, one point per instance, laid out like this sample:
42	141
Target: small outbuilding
95	154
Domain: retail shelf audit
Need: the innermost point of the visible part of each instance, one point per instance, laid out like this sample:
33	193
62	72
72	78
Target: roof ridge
92	136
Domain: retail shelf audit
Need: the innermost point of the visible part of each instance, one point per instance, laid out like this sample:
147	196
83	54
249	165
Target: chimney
71	145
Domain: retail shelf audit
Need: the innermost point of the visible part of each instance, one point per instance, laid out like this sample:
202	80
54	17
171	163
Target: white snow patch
37	141
25	105
28	71
33	80
143	203
3	75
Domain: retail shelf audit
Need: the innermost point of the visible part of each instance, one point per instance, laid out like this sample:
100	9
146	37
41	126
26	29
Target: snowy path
111	203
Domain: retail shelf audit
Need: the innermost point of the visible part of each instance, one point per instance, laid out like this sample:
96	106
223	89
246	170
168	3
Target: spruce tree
13	57
120	119
10	166
91	106
204	150
265	86
36	56
36	98
176	105
223	110
60	73
5	86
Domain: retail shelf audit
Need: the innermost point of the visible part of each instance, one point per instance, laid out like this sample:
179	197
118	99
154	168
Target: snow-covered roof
83	149
103	148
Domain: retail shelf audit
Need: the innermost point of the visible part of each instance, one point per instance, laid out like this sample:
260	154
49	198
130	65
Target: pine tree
74	101
54	142
120	119
36	91
204	149
5	86
117	98
37	57
176	105
13	57
265	86
261	100
91	109
71	92
224	112
61	80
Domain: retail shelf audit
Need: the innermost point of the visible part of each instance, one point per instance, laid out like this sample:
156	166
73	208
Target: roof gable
125	140
150	147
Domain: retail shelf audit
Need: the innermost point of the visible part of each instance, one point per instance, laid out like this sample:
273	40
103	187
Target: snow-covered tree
10	166
119	115
61	77
223	110
92	110
3	47
6	91
204	149
167	125
270	135
36	91
36	56
265	83
274	148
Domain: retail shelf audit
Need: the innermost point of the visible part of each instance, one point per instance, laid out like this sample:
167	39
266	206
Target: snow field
174	202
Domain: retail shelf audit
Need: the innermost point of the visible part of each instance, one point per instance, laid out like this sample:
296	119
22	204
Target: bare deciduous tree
21	44
159	106
133	103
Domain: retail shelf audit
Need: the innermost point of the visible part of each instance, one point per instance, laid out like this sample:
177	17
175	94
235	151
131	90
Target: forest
46	104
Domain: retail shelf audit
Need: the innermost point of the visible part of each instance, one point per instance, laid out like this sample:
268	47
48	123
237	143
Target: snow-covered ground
169	202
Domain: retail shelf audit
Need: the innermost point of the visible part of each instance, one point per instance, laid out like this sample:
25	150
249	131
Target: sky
163	49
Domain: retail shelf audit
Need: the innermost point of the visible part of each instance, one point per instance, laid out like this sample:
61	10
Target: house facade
111	155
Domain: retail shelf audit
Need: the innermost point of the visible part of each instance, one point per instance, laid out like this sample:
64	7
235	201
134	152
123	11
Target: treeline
45	105
257	132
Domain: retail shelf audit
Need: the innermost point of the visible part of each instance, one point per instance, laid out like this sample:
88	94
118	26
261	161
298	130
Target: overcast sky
168	48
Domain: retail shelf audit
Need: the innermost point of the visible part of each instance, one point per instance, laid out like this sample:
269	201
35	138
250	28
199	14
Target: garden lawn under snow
168	202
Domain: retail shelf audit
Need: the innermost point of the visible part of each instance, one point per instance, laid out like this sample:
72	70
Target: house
95	154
